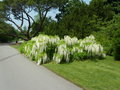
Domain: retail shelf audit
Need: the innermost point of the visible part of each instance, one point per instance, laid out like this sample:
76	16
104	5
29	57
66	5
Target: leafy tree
16	9
21	10
43	7
50	27
116	45
6	32
101	9
75	19
107	33
115	4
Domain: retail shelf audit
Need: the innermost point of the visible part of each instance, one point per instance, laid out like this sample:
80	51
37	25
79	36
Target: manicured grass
91	75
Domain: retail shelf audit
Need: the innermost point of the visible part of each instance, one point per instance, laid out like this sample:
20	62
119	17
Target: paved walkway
18	73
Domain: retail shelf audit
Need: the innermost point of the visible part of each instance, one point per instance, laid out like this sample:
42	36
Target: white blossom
39	61
37	48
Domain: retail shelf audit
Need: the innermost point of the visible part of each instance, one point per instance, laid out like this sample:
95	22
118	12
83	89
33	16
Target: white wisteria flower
37	48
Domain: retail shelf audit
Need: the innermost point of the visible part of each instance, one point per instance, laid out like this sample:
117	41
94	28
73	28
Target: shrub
116	45
45	48
79	56
117	51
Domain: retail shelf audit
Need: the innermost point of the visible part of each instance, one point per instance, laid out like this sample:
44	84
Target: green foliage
20	10
51	28
21	48
80	56
73	19
105	39
117	49
106	34
50	50
116	45
6	32
79	19
4	38
101	9
115	4
44	48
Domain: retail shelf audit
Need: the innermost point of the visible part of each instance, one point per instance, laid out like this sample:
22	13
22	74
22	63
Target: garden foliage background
100	18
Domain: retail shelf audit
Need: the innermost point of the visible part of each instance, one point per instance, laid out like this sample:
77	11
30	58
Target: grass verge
91	75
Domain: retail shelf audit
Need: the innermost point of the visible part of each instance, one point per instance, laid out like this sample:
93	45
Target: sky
51	14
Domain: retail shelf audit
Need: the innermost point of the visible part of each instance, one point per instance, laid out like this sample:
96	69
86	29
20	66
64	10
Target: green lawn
91	75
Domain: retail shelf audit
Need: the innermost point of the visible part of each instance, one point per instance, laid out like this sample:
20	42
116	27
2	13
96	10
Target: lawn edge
51	70
65	78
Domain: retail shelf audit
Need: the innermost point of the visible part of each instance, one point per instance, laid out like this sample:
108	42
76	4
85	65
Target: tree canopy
21	9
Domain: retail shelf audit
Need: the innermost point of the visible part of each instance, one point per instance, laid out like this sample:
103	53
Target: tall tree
74	19
21	9
101	9
115	4
43	7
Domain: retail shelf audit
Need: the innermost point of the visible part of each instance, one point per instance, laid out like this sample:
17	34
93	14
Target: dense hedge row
44	48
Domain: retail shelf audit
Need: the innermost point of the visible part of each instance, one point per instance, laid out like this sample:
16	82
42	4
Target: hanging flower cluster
42	47
70	41
92	47
36	48
62	53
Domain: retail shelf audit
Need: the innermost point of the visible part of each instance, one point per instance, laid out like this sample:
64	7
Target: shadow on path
10	43
6	58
